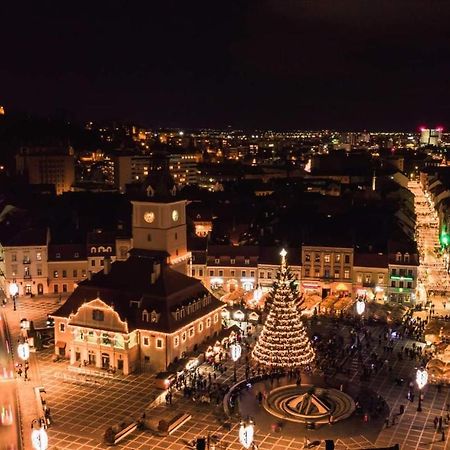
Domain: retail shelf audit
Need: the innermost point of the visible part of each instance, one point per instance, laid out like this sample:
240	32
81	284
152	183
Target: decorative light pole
235	353
13	291
39	438
24	351
421	380
246	433
360	307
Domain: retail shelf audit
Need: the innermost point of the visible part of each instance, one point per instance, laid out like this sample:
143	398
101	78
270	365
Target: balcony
27	261
369	284
27	276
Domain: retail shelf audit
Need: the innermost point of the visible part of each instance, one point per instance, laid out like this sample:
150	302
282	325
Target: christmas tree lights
283	342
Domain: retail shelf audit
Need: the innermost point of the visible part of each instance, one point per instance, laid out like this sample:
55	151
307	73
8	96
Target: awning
60	344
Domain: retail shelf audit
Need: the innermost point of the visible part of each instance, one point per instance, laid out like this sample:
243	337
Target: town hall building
144	312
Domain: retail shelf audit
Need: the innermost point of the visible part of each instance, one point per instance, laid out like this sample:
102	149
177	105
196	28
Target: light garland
283	342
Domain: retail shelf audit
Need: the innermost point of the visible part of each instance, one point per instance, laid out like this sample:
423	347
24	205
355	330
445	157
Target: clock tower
159	219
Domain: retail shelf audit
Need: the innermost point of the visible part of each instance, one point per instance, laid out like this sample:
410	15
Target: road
9	423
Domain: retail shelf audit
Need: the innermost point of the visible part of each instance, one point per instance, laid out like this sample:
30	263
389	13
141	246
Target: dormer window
144	316
398	257
232	261
217	260
246	261
154	317
58	255
406	258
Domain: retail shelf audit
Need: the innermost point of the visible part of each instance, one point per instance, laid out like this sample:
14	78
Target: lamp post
360	307
421	380
235	353
13	291
246	433
39	438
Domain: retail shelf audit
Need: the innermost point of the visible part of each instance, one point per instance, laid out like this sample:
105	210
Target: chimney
106	265
156	272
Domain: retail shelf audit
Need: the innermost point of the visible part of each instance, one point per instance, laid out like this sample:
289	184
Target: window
200	272
216	318
58	256
252	273
217	261
64	273
394	272
317	272
393	284
269	275
191	332
400	284
367	278
337	274
307	257
193	272
380	278
211	273
13	257
176	236
62	327
246	261
316	257
38	256
55	274
208	322
39	271
406	258
359	278
98	315
220	273
200	327
243	273
159	343
232	272
327	273
337	257
409	284
146	341
261	274
327	258
232	261
149	237
398	257
93	262
183	336
346	273
176	341
347	259
410	273
83	273
75	273
64	287
76	255
102	262
402	272
144	316
55	288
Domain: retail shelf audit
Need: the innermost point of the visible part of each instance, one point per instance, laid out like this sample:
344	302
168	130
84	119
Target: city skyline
282	65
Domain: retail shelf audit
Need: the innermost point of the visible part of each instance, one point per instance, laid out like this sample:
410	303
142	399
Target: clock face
175	215
149	216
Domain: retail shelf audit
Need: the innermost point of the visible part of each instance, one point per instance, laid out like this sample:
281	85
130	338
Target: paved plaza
83	410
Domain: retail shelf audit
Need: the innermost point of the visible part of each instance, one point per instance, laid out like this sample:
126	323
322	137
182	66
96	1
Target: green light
444	237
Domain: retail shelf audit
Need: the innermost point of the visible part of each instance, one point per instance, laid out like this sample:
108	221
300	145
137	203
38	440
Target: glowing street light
360	306
39	438
246	433
421	380
24	351
13	291
235	353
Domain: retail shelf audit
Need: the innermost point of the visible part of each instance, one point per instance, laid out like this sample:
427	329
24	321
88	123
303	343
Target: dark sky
283	64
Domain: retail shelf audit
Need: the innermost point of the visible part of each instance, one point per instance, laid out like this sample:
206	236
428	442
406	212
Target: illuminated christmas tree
283	342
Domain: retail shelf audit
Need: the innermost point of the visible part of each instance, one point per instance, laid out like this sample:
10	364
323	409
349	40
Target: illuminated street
9	427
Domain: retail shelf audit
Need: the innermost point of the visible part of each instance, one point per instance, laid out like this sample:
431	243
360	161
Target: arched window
406	257
109	249
93	250
145	316
398	257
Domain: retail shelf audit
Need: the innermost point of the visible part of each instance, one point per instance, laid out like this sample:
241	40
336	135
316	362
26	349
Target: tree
283	342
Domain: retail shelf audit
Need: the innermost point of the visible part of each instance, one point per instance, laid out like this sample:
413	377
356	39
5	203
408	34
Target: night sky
343	64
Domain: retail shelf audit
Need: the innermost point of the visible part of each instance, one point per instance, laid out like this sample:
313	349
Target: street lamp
246	433
235	353
24	351
13	291
39	438
360	307
421	380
